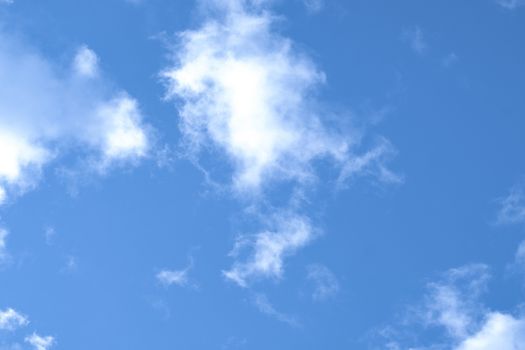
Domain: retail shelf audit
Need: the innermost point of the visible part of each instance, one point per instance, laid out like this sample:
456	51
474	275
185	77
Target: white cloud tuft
510	4
499	331
4	256
124	137
10	320
314	6
268	249
47	111
512	207
250	92
416	40
40	342
325	282
86	62
170	277
451	303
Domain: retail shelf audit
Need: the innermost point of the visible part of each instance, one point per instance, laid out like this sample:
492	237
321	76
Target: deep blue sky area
392	221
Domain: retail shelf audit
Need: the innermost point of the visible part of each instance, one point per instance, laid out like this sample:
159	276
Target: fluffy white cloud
86	62
247	92
11	320
269	248
512	207
250	92
324	280
453	305
40	342
47	111
499	331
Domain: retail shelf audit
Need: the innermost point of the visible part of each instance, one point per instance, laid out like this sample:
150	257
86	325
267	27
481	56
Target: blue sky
270	174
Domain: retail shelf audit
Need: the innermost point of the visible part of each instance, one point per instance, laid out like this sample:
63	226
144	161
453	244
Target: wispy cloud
48	111
313	6
10	320
450	60
263	305
325	282
40	342
512	207
173	277
452	302
4	256
416	39
454	305
269	248
179	277
510	4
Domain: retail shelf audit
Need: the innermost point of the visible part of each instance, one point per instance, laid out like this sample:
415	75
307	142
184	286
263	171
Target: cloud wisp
453	305
11	320
510	4
325	282
4	255
40	342
263	305
416	39
512	207
268	249
48	111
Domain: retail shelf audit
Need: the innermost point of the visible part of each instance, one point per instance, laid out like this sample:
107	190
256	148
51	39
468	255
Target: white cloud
510	4
48	111
263	305
40	342
4	256
519	258
453	304
250	92
85	62
123	136
268	249
10	320
499	331
314	6
170	277
512	207
245	91
416	40
325	282
450	59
